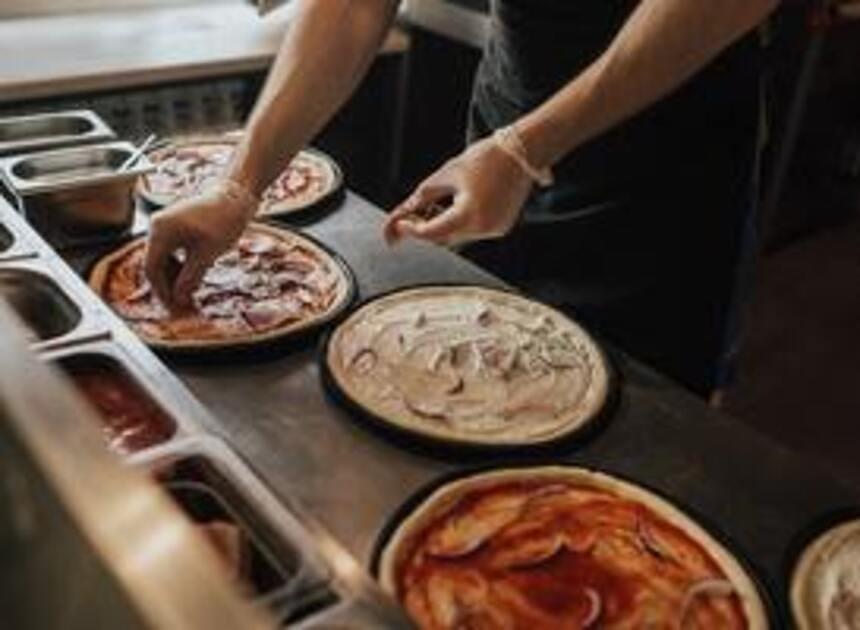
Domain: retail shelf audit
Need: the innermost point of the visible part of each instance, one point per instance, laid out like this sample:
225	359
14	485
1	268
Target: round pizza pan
256	346
452	448
434	488
803	550
302	213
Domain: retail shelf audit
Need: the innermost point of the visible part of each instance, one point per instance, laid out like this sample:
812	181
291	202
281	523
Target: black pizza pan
807	536
271	346
424	492
457	450
301	215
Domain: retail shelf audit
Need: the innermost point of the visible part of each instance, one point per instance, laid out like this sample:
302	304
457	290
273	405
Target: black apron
642	234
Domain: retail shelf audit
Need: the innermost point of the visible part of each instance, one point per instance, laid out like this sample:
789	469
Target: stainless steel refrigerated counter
274	412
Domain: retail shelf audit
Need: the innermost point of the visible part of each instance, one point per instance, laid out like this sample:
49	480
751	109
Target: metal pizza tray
458	450
419	496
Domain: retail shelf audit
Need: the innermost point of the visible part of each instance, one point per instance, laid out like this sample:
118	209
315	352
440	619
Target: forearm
663	44
327	50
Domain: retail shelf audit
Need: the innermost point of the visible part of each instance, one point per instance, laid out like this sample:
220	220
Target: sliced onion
595	608
709	587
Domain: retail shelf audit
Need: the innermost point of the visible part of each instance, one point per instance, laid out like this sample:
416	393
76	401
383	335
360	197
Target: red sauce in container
131	420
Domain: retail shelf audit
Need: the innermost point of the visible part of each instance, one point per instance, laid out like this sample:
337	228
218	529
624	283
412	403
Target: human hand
488	189
201	228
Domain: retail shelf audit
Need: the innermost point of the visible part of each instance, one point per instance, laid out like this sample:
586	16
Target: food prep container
280	565
53	315
14	242
162	411
76	193
21	134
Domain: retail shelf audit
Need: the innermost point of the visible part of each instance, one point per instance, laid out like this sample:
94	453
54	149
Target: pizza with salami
273	283
562	547
191	167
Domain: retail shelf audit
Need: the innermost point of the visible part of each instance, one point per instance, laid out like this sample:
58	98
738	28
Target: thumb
446	227
197	261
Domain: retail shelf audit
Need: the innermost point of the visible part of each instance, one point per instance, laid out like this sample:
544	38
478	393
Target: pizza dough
191	167
274	283
825	592
470	365
556	547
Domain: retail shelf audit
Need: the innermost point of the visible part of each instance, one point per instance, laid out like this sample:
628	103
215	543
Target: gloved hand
185	239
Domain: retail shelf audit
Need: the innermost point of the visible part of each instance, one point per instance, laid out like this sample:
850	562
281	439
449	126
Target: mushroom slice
363	361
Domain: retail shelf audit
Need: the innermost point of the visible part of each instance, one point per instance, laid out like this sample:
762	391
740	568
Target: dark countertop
274	413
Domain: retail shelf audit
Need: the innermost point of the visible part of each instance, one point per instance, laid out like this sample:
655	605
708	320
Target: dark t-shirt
643	232
537	46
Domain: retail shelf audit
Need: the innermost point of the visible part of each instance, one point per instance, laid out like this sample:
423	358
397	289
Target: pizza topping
244	292
557	555
463	534
131	420
485	364
191	169
703	589
595	607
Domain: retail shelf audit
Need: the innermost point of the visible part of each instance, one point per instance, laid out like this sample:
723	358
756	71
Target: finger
422	199
189	278
448	227
159	255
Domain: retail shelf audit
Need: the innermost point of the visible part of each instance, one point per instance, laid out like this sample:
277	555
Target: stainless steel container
78	192
39	132
88	543
174	413
53	313
15	236
283	569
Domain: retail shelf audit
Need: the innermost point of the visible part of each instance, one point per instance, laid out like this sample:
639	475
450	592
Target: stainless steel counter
275	413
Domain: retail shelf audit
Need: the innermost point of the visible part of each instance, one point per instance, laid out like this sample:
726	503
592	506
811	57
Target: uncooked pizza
189	168
559	548
273	283
825	593
469	365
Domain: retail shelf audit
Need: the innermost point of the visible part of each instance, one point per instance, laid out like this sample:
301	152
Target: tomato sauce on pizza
549	555
271	283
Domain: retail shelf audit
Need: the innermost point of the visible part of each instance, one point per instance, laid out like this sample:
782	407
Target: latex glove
202	229
488	189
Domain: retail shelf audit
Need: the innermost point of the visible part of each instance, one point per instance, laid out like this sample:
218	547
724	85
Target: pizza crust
444	499
572	396
100	276
825	585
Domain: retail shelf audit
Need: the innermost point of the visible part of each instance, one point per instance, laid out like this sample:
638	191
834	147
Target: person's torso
537	46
